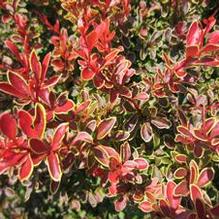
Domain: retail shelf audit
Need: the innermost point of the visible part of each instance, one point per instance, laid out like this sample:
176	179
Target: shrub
109	109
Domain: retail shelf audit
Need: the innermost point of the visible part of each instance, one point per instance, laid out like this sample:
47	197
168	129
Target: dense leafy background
148	32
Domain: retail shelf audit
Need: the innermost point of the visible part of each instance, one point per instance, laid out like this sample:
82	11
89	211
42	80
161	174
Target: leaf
194	35
120	203
205	177
183	130
125	151
26	169
169	141
82	137
54	167
121	135
200	209
181	158
104	128
45	65
181	189
161	123
142	164
215	210
8	125
54	186
33	127
195	192
214	37
13	48
9	89
60	132
210	48
146	206
194	171
110	57
92	39
65	108
87	74
38	146
164	207
101	155
146	132
18	83
180	173
173	200
141	96
35	66
52	81
192	51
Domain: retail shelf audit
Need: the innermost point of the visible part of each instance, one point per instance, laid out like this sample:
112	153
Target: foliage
109	109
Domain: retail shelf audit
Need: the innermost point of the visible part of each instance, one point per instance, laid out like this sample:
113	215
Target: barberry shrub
109	109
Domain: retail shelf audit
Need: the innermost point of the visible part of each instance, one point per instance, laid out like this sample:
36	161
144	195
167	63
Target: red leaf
183	130
45	65
120	204
173	200
194	35
105	127
194	171
128	166
181	189
52	81
38	146
124	91
141	96
215	210
164	207
13	48
65	108
208	125
161	123
146	132
82	107
87	74
206	176
200	209
82	137
142	164
195	192
146	206
59	135
26	121
180	173
192	51
214	37
125	151
110	57
18	83
35	66
54	186
26	169
200	135
8	125
210	48
169	141
181	158
9	89
215	131
113	176
54	167
92	39
101	155
58	65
